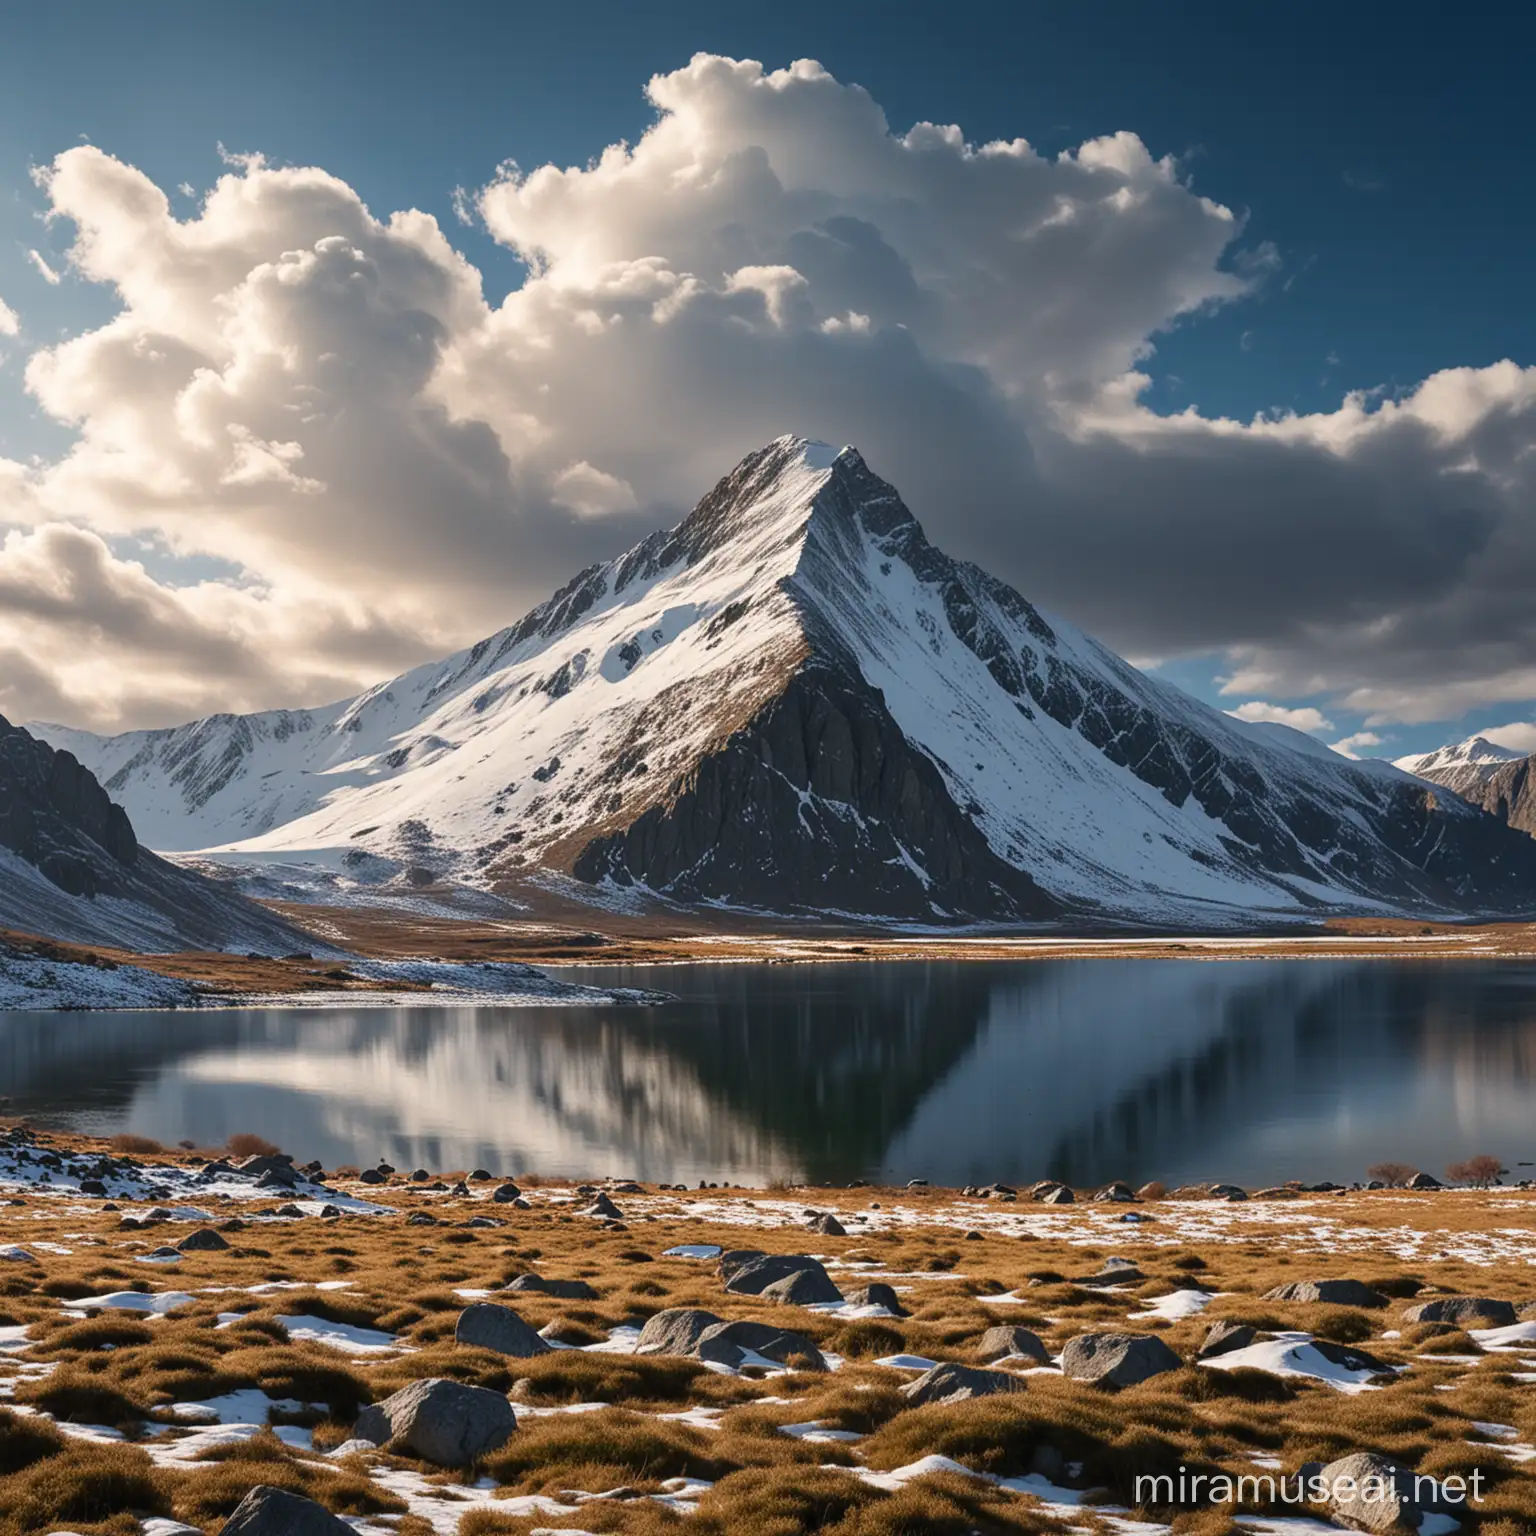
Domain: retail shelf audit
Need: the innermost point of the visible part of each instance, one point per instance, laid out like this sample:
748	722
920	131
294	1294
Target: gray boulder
802	1288
1463	1310
505	1194
603	1208
484	1325
204	1240
1223	1338
1336	1293
951	1383
1117	1359
1114	1272
1058	1194
1005	1339
878	1294
1424	1181
675	1331
565	1290
272	1512
828	1225
756	1273
781	1345
1366	1492
441	1421
1227	1192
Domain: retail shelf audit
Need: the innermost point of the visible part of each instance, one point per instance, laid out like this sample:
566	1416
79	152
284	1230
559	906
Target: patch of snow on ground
1293	1354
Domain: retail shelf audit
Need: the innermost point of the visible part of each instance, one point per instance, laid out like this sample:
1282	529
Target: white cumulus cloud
1303	719
316	400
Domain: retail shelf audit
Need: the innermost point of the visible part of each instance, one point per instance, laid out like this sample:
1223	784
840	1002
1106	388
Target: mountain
1496	778
71	867
793	701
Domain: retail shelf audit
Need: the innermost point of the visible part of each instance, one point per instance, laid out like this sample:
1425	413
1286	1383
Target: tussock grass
119	1369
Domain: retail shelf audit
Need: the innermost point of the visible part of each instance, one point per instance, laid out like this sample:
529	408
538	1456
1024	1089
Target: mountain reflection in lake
1083	1070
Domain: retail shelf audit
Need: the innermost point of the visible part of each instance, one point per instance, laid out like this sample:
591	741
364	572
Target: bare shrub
248	1144
1480	1171
1393	1175
140	1145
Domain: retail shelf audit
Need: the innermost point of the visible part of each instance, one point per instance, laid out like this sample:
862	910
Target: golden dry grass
124	1371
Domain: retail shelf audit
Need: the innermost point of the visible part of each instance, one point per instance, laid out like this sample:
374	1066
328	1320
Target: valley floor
150	1379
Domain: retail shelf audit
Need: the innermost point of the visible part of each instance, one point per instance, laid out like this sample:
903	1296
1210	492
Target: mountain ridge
71	867
792	700
1498	779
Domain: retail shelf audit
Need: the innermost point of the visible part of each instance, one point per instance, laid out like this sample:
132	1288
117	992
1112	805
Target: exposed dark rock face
56	816
86	879
1505	790
820	802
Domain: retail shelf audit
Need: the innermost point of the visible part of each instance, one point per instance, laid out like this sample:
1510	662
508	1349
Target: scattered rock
441	1421
1118	1359
878	1294
1006	1339
1366	1492
828	1225
1118	1191
604	1208
505	1194
1113	1272
421	1219
1336	1293
951	1383
755	1274
204	1240
1227	1192
1223	1338
565	1290
1462	1310
1424	1181
723	1340
484	1325
370	1176
802	1288
273	1512
675	1331
1061	1195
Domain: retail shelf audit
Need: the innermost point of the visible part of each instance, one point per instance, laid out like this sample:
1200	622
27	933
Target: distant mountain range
1496	778
793	702
71	867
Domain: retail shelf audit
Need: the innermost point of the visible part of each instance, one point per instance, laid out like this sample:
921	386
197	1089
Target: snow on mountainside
71	867
1496	778
1476	753
794	701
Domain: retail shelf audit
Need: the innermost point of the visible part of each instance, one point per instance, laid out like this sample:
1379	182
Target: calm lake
1084	1070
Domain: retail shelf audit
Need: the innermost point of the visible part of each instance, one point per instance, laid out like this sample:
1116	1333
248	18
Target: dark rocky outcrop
819	801
86	880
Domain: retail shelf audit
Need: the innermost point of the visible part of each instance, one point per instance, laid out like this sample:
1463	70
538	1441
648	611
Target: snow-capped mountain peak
1475	751
793	700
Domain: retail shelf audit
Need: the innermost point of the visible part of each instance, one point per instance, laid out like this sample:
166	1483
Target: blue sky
1381	152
